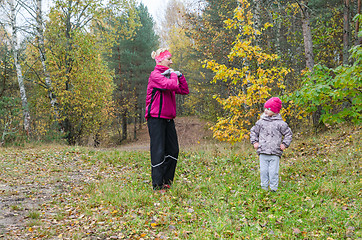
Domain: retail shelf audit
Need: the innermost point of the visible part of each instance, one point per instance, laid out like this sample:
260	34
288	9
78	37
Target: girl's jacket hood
272	118
270	132
161	90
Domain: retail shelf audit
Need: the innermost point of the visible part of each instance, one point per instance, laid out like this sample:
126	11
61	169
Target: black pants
164	151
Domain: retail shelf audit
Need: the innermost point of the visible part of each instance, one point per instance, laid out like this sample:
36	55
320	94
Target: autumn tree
40	43
210	40
11	10
10	110
82	81
251	74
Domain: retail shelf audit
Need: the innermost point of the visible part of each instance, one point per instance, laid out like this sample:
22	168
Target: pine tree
132	63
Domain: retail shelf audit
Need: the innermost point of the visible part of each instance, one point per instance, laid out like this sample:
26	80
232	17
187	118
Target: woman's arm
163	83
183	86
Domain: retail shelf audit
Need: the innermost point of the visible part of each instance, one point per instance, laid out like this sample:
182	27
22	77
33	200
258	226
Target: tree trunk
257	23
41	47
358	40
309	56
307	36
135	127
124	126
15	47
66	124
141	118
278	35
5	61
346	31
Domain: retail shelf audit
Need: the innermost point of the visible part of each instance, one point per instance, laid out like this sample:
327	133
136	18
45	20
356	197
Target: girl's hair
157	53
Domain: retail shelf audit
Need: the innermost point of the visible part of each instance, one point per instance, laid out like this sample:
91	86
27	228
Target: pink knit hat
162	56
274	104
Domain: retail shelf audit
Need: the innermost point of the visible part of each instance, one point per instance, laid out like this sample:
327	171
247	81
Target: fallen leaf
350	231
296	231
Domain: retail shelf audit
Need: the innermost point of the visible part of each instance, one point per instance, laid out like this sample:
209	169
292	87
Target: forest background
79	72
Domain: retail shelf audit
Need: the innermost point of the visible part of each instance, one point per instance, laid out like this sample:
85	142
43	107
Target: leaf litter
69	193
45	181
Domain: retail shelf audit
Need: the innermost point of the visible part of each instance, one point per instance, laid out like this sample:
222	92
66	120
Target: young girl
163	84
267	138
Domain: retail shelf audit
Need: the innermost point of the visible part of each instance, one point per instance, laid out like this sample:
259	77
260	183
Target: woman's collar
162	67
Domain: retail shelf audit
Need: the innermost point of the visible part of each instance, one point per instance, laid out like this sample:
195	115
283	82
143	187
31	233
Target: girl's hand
256	145
282	147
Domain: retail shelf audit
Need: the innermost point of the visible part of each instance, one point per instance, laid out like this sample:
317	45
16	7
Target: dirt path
191	131
32	178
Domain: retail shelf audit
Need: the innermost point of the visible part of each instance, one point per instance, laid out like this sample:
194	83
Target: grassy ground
58	192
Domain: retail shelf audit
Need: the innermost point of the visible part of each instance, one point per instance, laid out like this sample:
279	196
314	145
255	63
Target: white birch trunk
278	33
15	48
41	46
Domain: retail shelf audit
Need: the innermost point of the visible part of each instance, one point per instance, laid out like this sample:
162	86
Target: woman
163	84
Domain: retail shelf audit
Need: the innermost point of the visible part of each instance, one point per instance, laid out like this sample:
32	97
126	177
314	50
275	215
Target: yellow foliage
250	83
81	80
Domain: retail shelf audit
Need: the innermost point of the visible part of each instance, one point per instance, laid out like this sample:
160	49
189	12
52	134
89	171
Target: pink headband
162	56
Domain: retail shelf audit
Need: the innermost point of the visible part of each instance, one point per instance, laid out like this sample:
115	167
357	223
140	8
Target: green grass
34	215
216	195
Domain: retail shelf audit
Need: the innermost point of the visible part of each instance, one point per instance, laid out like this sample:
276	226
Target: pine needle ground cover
58	192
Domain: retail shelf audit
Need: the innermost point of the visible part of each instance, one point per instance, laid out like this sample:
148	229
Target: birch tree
35	21
41	47
32	27
16	52
10	106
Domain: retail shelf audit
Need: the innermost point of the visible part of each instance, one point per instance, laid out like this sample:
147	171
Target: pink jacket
160	99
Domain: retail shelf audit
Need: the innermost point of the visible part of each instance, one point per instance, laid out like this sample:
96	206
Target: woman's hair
157	53
160	55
